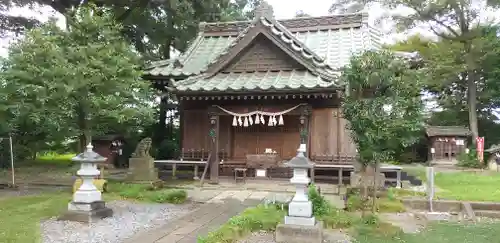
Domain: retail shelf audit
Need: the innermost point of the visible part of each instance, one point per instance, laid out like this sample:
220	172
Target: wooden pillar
304	125
213	133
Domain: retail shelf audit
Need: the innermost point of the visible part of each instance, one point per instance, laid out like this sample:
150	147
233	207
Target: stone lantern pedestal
87	203
300	225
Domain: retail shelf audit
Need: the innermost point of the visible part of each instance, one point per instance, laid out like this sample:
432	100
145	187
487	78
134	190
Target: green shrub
174	196
131	191
468	160
262	217
337	218
370	219
151	193
320	205
354	203
386	205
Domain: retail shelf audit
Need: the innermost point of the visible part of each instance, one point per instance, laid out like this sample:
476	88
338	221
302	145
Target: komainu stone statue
141	164
142	149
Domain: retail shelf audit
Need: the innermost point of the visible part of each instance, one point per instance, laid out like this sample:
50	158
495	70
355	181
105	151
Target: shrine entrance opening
258	138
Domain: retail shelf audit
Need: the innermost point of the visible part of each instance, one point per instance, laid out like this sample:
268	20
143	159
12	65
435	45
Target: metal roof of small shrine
328	41
263	81
433	131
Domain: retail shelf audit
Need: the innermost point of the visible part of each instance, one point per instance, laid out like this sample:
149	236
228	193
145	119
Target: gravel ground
259	237
128	219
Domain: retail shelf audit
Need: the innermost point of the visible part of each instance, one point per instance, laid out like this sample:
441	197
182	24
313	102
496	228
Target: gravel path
128	219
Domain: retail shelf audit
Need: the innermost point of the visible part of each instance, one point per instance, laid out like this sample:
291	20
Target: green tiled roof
335	44
433	131
265	81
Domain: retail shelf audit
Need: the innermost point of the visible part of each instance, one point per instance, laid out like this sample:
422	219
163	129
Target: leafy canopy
70	82
383	105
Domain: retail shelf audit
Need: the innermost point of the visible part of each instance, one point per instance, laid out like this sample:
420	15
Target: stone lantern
87	201
300	225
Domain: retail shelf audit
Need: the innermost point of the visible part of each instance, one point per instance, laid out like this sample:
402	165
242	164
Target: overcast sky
282	9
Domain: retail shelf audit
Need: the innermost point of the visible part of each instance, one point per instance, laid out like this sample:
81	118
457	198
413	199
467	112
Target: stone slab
87	216
286	233
76	206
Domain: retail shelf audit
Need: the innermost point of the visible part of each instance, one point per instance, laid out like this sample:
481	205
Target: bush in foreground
149	193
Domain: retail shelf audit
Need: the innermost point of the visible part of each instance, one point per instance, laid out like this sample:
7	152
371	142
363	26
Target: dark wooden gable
262	55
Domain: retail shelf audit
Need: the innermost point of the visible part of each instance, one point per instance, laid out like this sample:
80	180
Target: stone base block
86	212
145	163
288	233
137	175
310	221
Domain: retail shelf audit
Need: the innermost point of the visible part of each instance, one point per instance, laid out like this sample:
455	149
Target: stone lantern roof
300	161
89	156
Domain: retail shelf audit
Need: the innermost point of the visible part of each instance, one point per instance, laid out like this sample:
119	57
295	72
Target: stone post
87	203
300	225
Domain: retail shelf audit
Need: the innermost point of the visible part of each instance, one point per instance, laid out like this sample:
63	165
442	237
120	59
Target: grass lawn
435	233
55	159
20	216
463	185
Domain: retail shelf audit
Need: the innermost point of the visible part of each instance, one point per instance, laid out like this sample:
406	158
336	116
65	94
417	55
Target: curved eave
249	91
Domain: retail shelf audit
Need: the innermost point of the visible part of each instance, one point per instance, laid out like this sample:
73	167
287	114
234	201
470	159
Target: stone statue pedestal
142	170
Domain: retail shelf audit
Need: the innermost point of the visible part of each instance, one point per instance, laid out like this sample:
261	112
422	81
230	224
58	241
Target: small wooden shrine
446	142
251	91
110	147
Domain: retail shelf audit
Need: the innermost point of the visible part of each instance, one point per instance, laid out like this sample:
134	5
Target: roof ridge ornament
264	10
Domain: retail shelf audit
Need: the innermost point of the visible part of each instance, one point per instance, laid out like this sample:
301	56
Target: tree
455	21
445	65
72	81
383	107
153	27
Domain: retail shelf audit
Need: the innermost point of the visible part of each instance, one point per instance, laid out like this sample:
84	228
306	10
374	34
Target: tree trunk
83	125
365	189
374	195
471	91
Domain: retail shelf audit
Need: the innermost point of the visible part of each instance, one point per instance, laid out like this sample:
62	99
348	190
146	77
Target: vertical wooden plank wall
323	134
329	134
348	147
195	134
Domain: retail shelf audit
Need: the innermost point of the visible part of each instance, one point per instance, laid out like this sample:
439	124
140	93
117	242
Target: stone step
487	206
487	214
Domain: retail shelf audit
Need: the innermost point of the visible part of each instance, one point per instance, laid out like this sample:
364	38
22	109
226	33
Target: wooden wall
329	135
195	130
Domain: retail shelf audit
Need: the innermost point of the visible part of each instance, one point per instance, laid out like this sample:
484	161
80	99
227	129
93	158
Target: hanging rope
245	119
